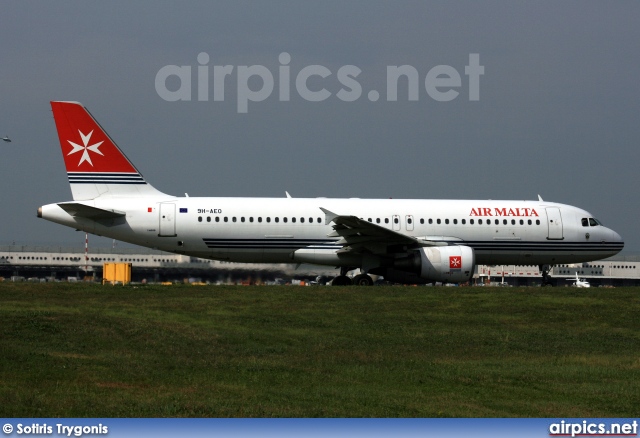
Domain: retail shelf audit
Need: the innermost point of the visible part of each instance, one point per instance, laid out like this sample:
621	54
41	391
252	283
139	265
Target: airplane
580	283
7	139
408	241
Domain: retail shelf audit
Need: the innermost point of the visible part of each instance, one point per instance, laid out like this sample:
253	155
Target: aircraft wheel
341	280
362	280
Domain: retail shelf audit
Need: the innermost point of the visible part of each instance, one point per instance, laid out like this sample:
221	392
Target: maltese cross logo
85	147
455	262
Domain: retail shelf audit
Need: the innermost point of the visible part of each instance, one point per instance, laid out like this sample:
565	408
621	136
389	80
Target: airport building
617	271
37	263
72	264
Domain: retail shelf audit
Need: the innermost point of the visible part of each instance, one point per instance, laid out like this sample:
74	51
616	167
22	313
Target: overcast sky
558	111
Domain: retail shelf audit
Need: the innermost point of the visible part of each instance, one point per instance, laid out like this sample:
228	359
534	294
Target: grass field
81	350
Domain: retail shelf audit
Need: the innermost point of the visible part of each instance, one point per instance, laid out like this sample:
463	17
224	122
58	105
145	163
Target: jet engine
447	264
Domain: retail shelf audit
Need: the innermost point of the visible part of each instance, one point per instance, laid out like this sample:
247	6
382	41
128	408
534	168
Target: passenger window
446	221
217	218
386	220
479	221
438	221
199	218
284	219
521	221
369	219
226	219
513	221
504	222
293	219
377	220
455	221
319	220
260	219
464	221
430	221
395	220
208	218
529	221
277	219
409	221
268	219
421	221
251	219
242	219
234	219
497	222
537	221
302	220
471	221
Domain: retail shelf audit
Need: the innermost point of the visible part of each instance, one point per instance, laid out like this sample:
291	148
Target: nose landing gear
546	278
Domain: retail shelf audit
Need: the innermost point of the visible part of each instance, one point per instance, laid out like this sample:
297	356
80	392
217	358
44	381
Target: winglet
329	216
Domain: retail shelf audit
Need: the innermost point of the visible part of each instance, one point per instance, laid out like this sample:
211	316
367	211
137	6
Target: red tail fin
85	145
95	165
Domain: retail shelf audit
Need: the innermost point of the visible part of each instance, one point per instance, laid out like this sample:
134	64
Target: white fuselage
290	230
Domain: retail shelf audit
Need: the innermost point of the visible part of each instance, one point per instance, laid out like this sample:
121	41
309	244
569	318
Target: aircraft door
395	222
409	222
167	220
554	222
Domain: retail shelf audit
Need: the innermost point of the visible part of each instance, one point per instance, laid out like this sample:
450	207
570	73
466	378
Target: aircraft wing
77	209
359	235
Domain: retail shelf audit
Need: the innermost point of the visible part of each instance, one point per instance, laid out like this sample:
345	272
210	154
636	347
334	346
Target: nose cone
615	241
615	237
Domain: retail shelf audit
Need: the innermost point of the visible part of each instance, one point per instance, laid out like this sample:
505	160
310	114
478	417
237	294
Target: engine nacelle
447	264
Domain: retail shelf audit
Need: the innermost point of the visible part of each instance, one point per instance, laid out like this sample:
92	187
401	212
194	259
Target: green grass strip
83	350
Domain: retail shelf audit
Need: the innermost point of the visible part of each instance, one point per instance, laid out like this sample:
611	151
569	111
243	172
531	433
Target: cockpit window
594	222
590	222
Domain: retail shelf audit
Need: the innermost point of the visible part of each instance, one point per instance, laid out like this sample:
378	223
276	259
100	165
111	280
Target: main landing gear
358	280
362	280
341	280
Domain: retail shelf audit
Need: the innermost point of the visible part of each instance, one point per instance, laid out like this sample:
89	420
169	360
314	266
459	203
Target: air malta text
503	212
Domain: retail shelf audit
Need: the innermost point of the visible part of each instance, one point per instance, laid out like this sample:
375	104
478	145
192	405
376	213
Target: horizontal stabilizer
80	210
